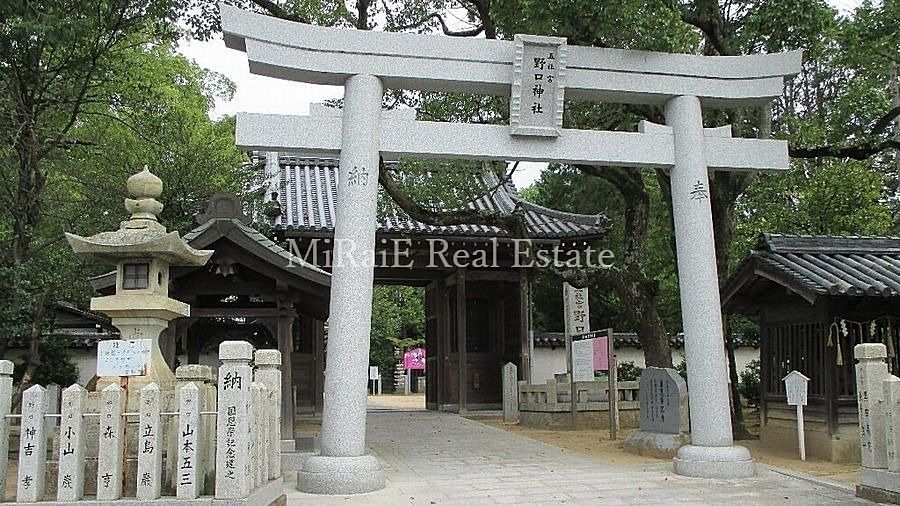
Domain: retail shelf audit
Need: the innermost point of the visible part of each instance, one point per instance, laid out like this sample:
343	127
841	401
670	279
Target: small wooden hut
815	298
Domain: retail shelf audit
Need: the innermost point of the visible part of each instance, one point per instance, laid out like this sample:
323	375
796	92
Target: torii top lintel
313	54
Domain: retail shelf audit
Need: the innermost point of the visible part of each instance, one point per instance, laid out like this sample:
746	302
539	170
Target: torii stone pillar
712	452
343	467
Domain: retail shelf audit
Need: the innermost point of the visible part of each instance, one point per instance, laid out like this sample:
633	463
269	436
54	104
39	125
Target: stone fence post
268	372
203	376
72	442
189	475
112	433
6	370
233	479
149	452
32	446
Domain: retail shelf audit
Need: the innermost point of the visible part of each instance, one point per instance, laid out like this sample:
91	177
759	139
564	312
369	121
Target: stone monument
664	415
142	251
538	74
878	396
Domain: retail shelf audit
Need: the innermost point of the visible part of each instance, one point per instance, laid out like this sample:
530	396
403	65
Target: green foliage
825	198
54	364
749	385
681	369
398	324
567	189
627	371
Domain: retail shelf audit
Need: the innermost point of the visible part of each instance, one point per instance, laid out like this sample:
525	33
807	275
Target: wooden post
801	436
613	386
463	366
571	371
524	326
286	347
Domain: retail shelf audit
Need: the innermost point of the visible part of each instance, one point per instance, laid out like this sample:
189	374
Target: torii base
340	475
714	462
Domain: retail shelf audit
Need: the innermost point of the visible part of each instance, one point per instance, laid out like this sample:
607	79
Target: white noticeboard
795	389
123	358
373	373
583	360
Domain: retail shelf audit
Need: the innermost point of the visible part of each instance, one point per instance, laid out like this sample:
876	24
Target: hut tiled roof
308	196
813	265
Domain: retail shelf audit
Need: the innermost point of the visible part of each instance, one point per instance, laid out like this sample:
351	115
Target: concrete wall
547	361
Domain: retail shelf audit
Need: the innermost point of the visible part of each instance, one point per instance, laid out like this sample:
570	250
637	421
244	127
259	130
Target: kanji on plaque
536	104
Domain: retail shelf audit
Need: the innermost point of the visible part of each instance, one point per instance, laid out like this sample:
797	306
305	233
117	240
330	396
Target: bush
627	371
749	383
54	364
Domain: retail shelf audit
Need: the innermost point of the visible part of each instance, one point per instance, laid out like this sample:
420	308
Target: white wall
547	361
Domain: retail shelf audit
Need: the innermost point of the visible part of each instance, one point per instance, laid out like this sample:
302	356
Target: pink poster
414	359
601	353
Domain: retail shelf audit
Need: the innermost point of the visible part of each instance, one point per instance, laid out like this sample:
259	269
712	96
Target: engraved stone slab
510	393
149	473
538	89
663	397
112	432
32	446
871	371
189	480
892	429
233	478
70	480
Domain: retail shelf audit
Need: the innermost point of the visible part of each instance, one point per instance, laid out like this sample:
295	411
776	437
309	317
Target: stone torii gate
538	73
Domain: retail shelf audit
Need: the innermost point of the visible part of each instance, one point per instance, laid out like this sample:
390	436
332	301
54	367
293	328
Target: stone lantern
142	251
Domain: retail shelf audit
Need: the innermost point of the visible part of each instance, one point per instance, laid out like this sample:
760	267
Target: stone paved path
441	458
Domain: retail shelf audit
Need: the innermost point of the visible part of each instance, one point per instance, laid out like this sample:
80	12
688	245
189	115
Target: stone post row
712	453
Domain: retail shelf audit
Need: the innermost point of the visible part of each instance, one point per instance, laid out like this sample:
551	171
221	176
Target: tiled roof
830	265
630	340
308	196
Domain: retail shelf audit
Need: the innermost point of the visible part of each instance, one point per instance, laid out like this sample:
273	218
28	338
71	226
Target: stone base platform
267	495
340	475
714	462
878	495
879	485
655	444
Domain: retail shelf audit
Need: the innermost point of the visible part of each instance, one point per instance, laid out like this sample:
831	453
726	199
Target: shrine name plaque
538	88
